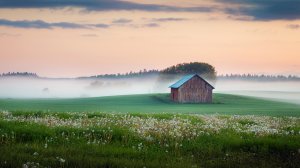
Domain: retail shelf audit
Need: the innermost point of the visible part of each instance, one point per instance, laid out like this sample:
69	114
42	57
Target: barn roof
185	79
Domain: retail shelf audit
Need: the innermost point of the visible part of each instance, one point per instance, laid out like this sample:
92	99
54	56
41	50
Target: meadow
149	131
155	103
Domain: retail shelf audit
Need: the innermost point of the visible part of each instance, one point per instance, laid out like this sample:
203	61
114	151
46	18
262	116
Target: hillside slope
223	104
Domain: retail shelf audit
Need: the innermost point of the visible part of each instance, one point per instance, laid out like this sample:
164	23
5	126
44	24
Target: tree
204	69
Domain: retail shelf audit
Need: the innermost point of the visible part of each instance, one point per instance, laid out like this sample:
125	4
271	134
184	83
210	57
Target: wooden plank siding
195	90
174	94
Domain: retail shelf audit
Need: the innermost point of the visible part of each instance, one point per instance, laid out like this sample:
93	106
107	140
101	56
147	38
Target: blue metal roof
185	79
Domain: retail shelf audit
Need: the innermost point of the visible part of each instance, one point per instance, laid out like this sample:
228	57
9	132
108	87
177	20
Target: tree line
19	74
141	73
204	69
179	69
261	77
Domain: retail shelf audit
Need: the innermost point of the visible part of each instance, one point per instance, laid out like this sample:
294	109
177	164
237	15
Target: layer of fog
286	91
73	88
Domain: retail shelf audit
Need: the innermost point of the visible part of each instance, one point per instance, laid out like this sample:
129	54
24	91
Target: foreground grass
65	139
155	103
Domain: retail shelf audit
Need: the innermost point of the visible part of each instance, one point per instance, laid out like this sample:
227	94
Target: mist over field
68	88
74	88
286	91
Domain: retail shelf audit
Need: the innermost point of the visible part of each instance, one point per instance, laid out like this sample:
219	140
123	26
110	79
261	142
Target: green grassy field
148	131
155	103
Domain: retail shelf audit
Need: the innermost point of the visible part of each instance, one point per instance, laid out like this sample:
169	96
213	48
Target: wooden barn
191	89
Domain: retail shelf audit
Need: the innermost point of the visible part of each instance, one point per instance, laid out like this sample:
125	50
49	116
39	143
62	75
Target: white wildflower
62	160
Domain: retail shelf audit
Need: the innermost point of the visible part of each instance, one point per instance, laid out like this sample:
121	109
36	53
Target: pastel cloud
97	5
169	19
121	21
264	10
40	24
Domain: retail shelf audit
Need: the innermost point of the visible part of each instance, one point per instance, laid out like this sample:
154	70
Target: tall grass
126	140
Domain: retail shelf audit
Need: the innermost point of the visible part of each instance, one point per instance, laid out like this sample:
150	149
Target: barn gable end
191	89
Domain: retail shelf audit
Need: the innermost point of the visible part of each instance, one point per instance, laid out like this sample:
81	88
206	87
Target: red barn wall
195	90
174	94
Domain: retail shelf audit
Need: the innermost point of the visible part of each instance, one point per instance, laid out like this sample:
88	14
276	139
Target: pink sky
138	39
